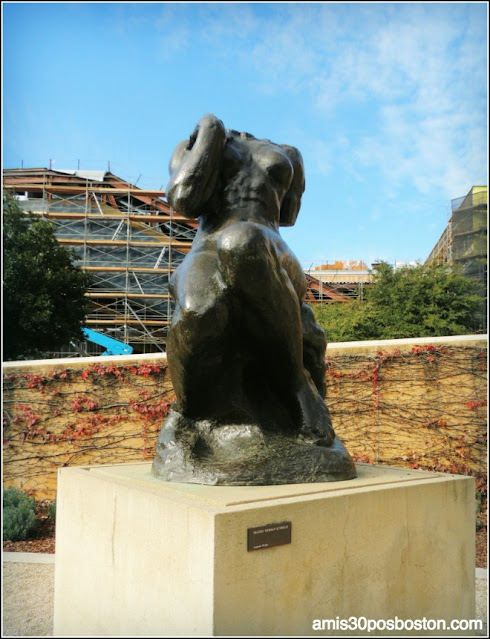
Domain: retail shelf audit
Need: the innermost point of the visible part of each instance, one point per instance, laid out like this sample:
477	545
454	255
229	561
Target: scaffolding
340	281
464	240
128	238
131	241
465	237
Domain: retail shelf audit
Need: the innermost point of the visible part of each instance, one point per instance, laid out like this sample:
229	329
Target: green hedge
19	518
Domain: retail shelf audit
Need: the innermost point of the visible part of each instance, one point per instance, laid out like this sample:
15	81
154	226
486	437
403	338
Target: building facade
464	240
128	238
339	281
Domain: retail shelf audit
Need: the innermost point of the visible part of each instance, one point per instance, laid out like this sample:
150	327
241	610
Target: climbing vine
105	413
423	407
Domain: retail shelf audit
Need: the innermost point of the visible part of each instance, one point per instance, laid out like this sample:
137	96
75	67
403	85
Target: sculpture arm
314	348
292	201
195	167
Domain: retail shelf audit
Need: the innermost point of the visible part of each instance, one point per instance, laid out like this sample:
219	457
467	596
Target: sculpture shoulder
251	155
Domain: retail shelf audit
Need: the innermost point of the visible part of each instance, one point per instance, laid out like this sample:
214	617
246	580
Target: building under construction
128	238
340	281
464	240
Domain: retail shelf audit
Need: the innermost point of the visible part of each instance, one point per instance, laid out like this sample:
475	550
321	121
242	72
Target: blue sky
387	102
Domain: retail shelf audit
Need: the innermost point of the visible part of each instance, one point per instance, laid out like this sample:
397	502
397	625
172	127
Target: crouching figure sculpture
246	357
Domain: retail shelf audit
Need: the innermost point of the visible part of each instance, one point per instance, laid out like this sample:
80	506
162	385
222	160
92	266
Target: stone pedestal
137	556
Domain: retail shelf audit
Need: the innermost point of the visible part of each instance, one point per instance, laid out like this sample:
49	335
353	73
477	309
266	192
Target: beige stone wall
406	402
414	403
83	411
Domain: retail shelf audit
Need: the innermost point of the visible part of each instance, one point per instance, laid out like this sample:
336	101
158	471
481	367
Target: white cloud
421	67
427	78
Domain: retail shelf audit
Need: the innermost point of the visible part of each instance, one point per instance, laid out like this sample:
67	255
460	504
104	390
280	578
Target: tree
421	301
44	303
343	321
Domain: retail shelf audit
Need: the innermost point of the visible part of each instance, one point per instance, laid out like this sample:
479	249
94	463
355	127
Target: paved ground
28	589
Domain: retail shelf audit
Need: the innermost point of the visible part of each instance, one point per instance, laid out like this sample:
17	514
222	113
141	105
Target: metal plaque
269	535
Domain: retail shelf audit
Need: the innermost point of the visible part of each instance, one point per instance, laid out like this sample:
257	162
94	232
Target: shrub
52	510
19	518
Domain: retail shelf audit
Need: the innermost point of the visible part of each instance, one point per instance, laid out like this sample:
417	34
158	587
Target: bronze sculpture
245	354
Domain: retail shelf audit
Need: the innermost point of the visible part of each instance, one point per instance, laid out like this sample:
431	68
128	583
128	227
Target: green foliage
422	301
52	510
44	292
343	321
19	518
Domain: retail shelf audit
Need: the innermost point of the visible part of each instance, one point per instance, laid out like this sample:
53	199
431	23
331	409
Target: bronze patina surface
246	356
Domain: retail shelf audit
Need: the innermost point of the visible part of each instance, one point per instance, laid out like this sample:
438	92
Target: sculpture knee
194	285
201	320
242	238
245	252
201	310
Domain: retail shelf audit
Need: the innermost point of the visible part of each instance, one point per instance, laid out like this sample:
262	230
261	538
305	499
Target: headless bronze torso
245	354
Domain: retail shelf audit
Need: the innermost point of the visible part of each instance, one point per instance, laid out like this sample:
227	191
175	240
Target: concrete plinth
137	556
